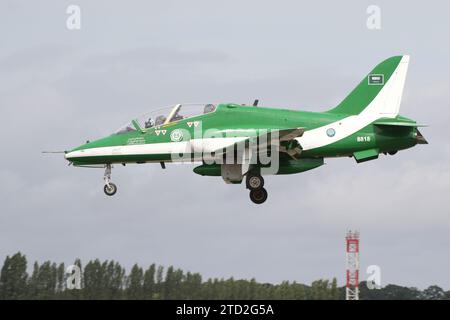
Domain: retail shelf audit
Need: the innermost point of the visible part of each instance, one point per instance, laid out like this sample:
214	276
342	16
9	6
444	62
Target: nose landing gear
255	184
110	188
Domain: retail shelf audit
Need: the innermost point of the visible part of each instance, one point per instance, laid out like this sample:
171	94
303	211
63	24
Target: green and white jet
237	141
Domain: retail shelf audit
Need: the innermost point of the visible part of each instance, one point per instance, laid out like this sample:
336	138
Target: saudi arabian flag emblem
376	79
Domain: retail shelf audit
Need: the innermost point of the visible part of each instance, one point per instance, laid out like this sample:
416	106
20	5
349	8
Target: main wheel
110	189
254	181
258	196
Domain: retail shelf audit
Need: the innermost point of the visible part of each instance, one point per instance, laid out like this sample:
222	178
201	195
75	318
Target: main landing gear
110	188
255	184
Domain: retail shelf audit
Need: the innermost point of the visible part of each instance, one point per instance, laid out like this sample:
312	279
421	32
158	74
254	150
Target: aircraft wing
284	135
286	144
289	134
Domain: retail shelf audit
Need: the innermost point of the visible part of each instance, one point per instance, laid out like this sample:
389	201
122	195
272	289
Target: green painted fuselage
234	120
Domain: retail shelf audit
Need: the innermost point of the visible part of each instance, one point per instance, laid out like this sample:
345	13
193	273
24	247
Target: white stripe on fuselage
206	145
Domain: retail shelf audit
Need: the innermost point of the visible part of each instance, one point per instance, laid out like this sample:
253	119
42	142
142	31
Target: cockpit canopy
167	115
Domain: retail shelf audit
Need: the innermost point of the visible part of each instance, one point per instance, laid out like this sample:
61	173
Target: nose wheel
110	188
255	184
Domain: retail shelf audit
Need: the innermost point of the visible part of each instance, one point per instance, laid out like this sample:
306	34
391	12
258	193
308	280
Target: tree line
109	280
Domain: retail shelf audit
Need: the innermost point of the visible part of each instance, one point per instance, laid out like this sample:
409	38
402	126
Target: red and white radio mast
352	247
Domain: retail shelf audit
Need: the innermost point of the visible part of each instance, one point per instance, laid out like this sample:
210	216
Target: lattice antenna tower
352	257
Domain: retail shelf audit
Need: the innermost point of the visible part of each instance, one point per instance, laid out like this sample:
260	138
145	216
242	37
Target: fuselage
326	135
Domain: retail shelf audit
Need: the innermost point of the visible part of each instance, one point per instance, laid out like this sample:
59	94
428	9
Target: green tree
13	277
159	283
60	279
135	283
334	293
178	279
169	284
447	295
207	290
226	289
103	280
433	293
298	291
93	280
43	281
192	286
319	290
149	286
394	292
33	289
115	281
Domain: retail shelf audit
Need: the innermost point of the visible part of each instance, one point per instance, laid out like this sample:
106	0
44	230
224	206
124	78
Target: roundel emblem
176	135
331	132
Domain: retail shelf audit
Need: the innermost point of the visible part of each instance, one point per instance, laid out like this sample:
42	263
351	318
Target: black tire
258	196
254	181
392	152
110	190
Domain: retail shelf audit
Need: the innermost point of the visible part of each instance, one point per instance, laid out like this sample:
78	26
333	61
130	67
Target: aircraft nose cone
68	156
71	154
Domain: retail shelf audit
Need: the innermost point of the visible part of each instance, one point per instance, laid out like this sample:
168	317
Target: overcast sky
60	87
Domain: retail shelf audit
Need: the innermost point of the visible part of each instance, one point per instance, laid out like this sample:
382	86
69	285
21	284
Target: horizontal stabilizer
396	123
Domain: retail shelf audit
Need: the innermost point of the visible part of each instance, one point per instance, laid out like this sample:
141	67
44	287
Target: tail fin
379	92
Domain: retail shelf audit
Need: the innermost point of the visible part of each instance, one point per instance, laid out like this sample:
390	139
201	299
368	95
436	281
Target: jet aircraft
246	142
